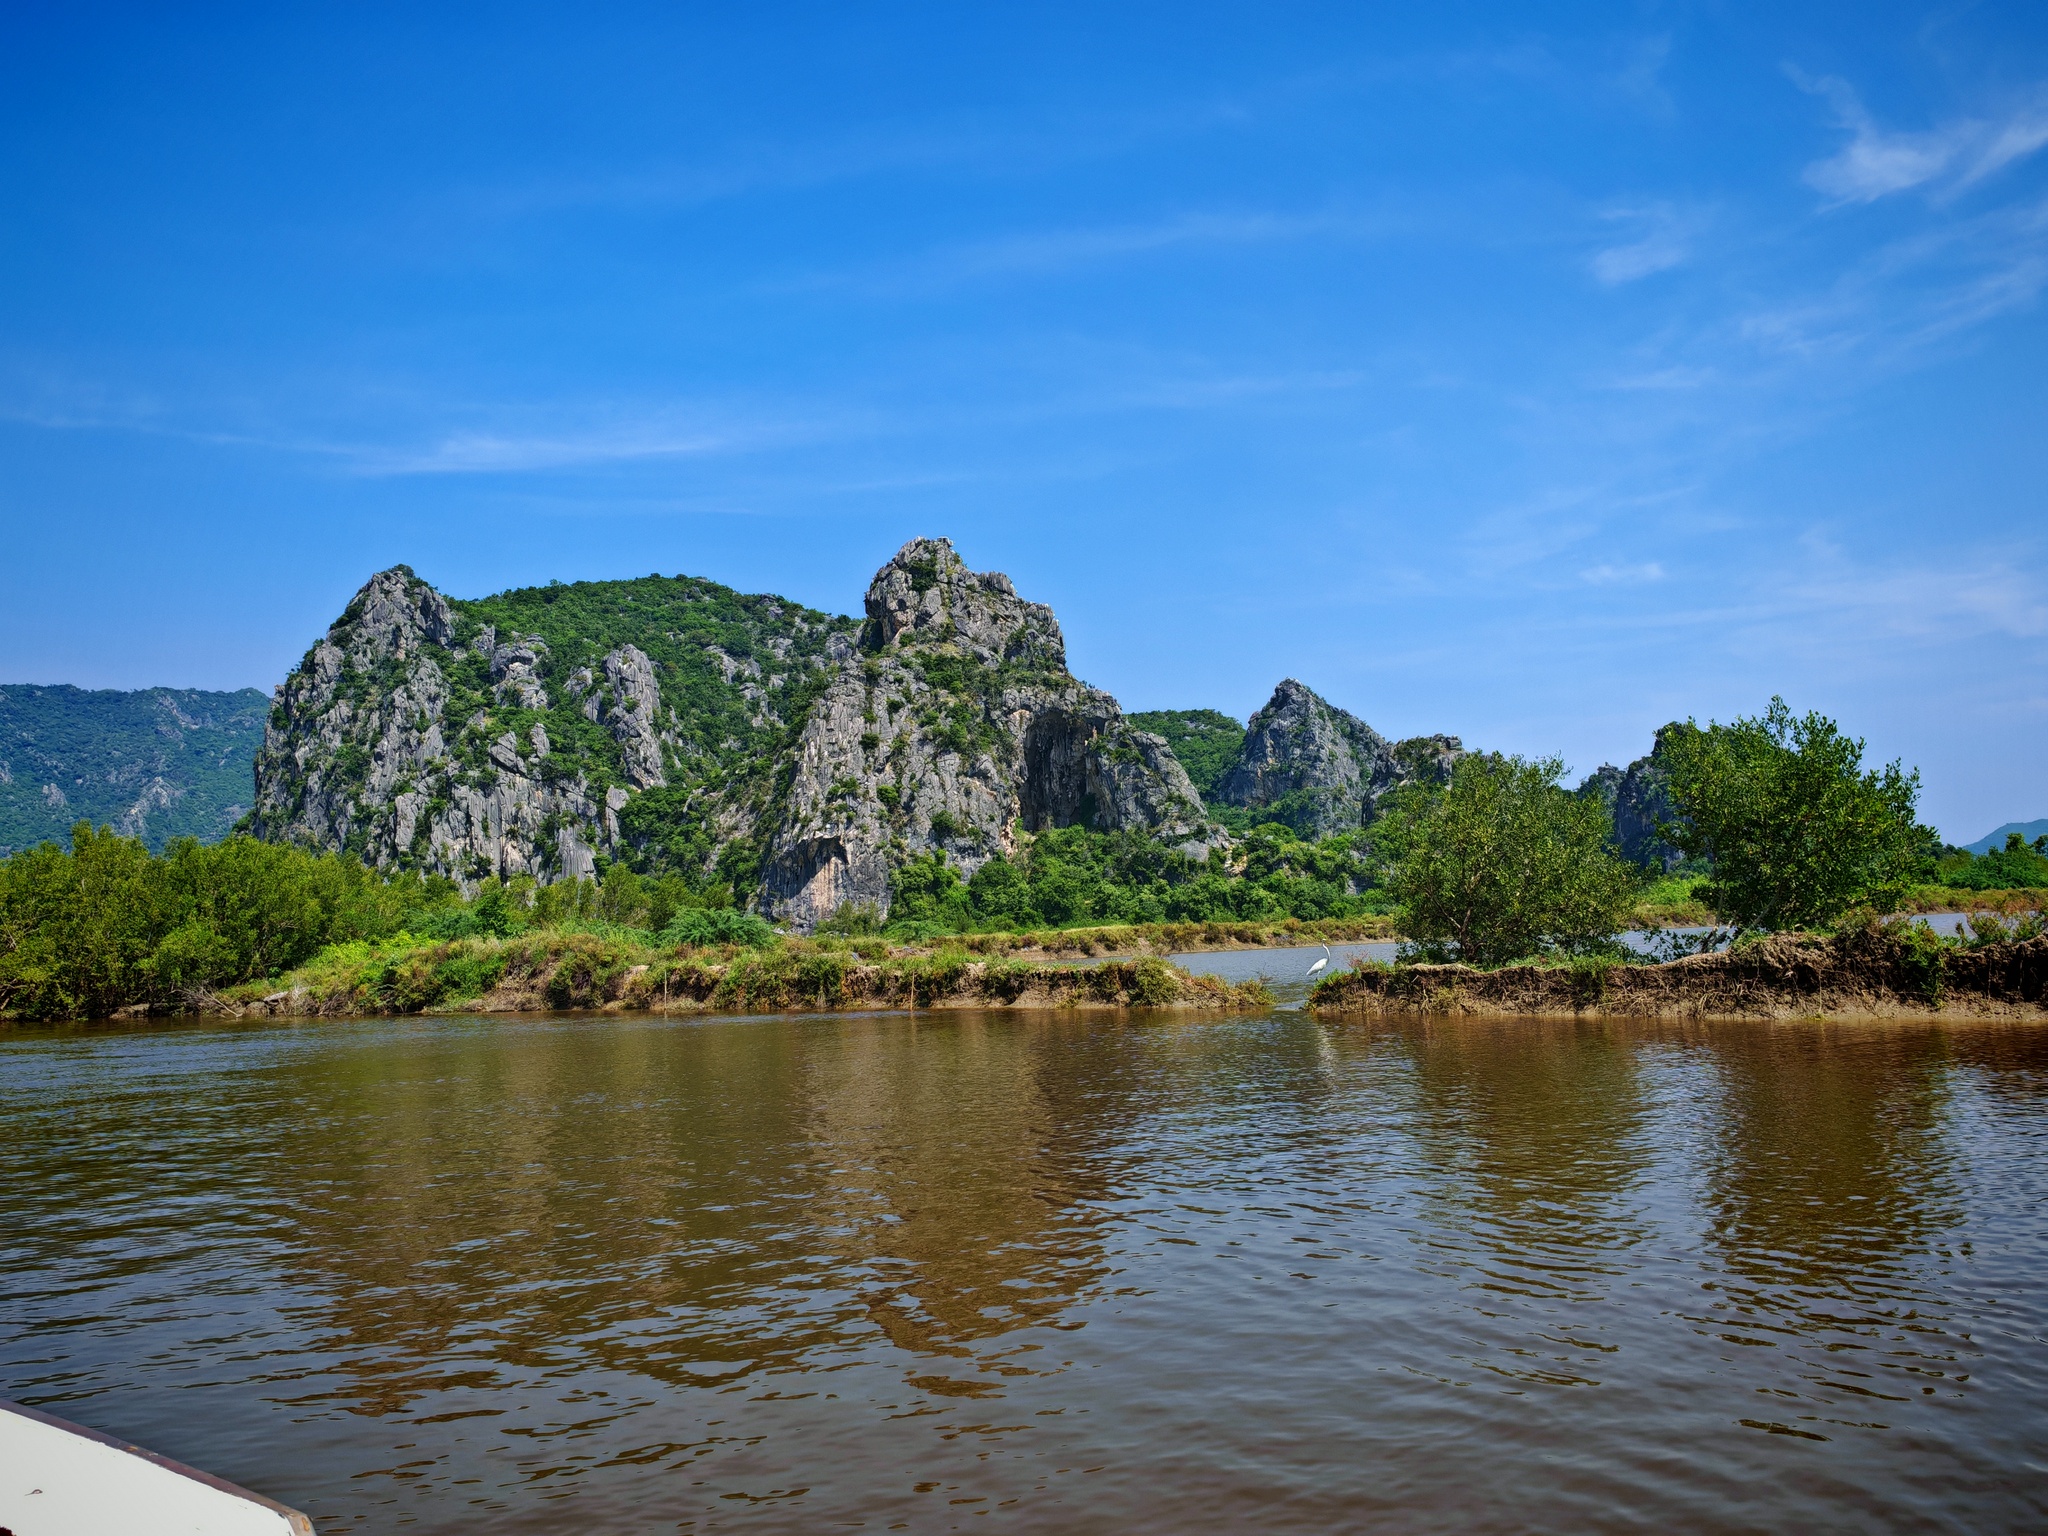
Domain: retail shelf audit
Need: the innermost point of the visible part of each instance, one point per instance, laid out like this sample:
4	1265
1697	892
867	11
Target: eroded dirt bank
1865	974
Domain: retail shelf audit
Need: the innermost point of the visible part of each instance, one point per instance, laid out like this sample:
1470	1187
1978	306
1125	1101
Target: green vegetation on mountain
1206	741
731	667
159	763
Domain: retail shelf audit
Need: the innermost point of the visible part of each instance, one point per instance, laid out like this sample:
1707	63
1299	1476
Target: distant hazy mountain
156	764
2028	831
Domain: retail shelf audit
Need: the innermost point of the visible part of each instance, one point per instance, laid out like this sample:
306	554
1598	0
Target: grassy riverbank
1872	970
560	970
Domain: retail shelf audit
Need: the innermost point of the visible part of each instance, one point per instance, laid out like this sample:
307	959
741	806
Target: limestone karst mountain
957	727
680	725
534	731
1322	769
1638	800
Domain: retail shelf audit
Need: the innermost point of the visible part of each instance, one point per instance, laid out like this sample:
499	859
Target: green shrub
102	925
1153	982
1923	956
702	925
1501	864
1797	832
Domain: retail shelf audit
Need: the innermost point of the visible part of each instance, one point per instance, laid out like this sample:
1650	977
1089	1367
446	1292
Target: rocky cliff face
506	737
1325	770
1638	800
681	726
958	728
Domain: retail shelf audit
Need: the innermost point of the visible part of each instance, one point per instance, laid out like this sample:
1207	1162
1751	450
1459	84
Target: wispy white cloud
1913	292
470	453
537	437
1046	252
1877	162
1623	575
1664	240
1955	598
1676	377
1638	78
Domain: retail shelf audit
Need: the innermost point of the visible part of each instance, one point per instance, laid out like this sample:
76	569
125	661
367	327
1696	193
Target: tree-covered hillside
1205	740
155	764
720	657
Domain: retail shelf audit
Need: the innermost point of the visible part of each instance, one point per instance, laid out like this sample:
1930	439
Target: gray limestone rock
957	728
357	754
1322	769
1638	799
632	700
515	664
730	733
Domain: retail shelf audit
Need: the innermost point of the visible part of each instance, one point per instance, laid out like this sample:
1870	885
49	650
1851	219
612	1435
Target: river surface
1046	1272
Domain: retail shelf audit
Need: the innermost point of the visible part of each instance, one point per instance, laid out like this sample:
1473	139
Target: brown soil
1869	974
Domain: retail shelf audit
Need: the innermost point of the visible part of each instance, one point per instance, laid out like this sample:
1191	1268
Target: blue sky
1537	377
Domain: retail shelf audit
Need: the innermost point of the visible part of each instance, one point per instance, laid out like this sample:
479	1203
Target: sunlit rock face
428	733
1324	768
677	725
958	728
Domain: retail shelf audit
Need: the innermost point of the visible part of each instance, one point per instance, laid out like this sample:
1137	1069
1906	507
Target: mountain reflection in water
1046	1272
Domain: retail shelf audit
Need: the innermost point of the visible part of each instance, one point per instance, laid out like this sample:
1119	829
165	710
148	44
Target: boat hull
62	1479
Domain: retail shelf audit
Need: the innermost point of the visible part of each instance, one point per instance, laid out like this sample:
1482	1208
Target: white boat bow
62	1479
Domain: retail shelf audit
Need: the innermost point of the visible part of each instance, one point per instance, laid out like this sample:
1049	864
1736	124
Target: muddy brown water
1049	1272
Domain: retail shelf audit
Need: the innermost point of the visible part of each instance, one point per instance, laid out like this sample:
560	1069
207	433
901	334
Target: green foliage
852	920
1796	831
2015	867
660	826
1301	811
104	752
721	925
925	890
1153	982
1206	741
1923	956
1988	928
493	914
1502	864
103	925
1073	875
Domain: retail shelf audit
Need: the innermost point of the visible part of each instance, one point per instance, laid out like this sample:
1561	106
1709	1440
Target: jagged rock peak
959	731
392	614
1323	765
454	735
926	595
1301	745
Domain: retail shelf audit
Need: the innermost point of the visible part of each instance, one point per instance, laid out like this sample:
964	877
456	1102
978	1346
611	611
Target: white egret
1322	962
